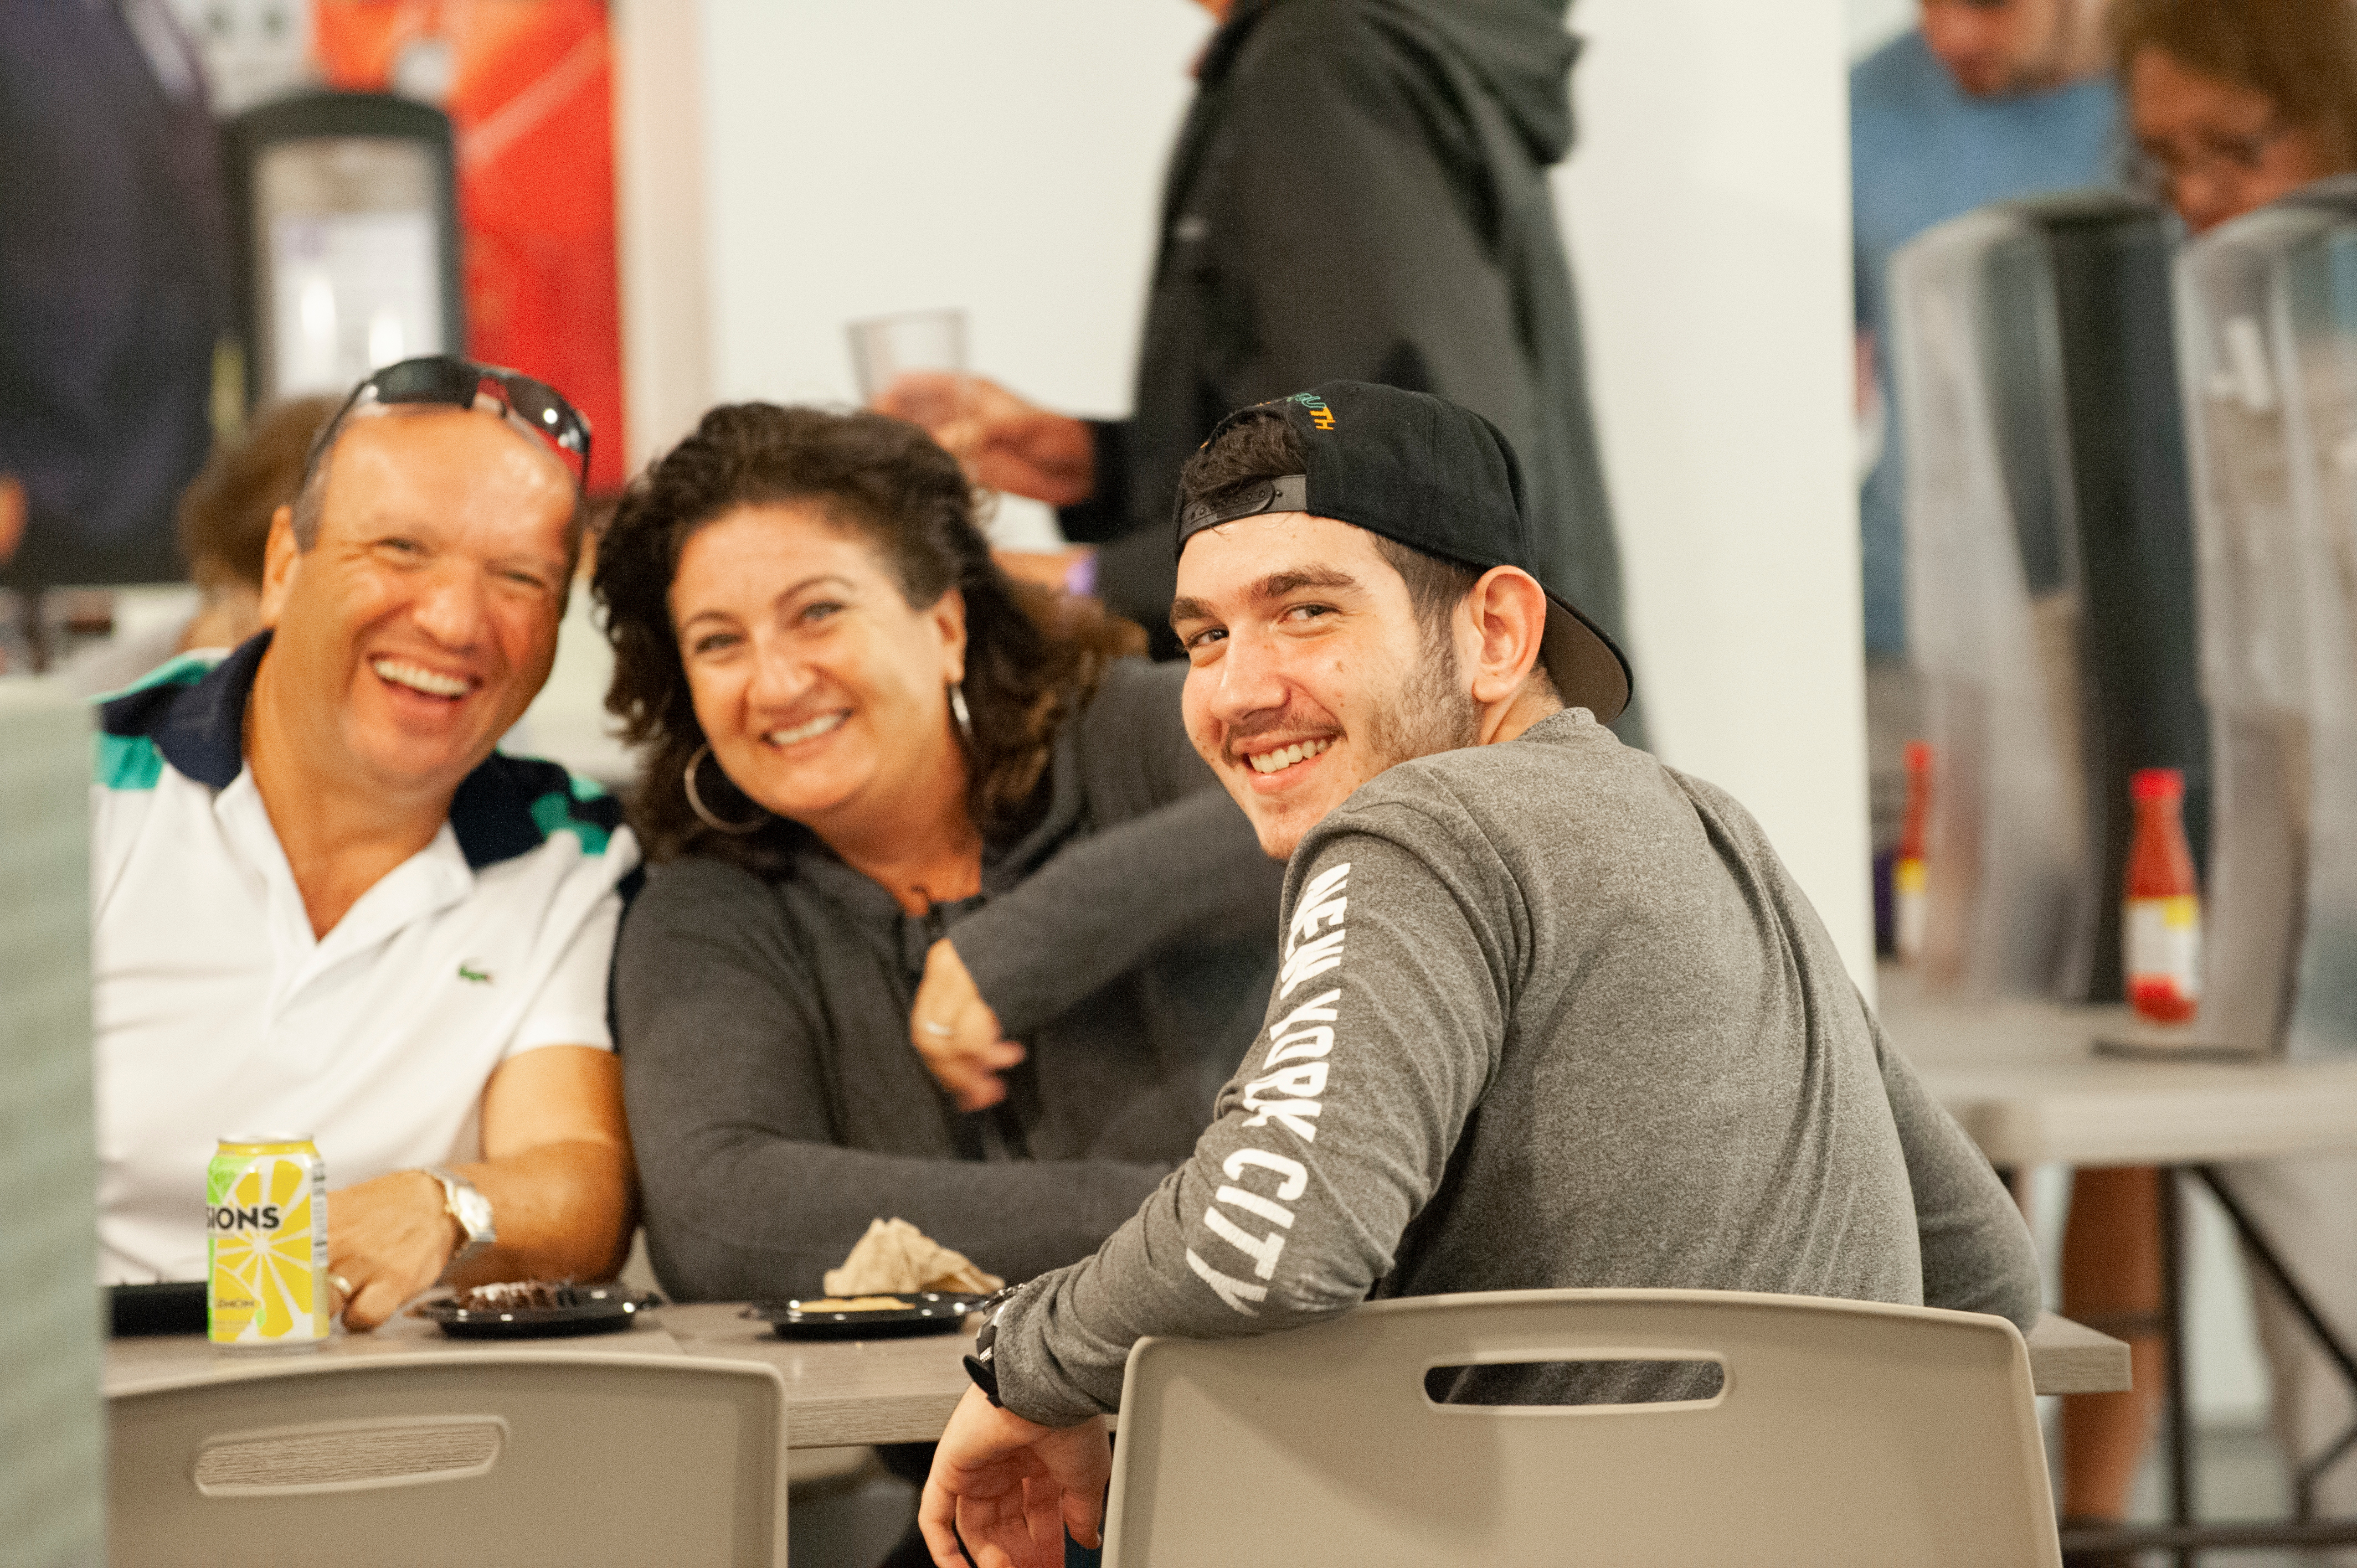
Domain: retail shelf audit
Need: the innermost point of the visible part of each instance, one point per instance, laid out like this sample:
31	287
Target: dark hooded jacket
113	269
1361	191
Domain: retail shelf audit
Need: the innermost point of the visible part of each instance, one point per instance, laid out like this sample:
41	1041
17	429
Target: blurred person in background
113	288
2234	104
15	656
1984	101
224	518
1359	190
902	813
321	902
224	524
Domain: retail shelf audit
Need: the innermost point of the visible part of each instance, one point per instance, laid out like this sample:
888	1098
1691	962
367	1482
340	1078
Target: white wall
663	240
1870	23
903	154
1709	212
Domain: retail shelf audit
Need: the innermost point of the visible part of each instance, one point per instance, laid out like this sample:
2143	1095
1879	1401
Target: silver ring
938	1031
344	1285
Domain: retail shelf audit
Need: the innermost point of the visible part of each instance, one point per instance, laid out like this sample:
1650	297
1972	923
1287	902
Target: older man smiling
323	905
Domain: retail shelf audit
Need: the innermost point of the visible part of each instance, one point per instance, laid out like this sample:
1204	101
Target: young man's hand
956	1033
1010	1488
1005	442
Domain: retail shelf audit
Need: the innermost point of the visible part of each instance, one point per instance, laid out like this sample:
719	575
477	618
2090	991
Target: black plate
597	1309
175	1306
927	1312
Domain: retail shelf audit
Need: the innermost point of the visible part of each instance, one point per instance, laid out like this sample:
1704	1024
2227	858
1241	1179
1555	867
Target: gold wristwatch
463	1202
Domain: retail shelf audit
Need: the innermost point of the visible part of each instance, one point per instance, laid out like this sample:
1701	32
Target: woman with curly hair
872	762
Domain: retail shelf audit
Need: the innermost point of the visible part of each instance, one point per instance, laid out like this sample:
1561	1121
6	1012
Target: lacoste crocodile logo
474	976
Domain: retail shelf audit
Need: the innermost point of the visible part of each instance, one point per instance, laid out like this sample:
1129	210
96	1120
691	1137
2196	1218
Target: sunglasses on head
462	383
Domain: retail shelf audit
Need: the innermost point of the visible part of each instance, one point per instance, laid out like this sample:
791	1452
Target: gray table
841	1394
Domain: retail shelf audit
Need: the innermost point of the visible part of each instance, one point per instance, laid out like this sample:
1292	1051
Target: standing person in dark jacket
1359	190
112	286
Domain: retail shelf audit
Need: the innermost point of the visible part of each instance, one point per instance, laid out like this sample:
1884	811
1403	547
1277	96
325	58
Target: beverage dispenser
2267	334
2050	579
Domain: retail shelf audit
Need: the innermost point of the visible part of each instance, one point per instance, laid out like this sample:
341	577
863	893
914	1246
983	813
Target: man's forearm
563	1210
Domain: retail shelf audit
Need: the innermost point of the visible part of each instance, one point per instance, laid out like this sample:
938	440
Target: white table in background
2026	1084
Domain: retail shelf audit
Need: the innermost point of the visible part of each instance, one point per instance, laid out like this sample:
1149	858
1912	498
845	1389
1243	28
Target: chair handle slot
347	1456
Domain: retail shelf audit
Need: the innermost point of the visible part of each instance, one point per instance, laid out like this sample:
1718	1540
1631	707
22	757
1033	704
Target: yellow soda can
266	1242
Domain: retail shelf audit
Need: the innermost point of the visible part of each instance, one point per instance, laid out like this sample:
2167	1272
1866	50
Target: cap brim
1587	669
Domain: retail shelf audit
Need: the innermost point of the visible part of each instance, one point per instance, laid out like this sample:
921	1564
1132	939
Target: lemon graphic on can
265	1227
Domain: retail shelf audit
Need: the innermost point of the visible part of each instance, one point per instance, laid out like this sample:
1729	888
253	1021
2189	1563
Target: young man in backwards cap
1549	1014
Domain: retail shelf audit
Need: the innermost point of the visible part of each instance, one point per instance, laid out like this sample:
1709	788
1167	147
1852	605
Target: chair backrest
534	1456
1842	1433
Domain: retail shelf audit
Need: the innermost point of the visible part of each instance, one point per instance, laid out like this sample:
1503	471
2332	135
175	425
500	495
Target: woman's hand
956	1032
391	1238
1010	1488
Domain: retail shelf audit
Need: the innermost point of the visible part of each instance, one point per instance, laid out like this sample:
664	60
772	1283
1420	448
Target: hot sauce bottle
1907	876
2161	934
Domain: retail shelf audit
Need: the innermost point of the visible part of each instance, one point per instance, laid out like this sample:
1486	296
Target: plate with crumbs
898	1316
536	1310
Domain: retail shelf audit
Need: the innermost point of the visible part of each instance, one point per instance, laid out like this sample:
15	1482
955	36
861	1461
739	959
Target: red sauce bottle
1908	875
2160	936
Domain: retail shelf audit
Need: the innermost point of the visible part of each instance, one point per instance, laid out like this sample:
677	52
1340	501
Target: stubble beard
1430	713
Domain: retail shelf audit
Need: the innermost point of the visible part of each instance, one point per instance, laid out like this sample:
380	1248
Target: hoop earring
695	801
958	712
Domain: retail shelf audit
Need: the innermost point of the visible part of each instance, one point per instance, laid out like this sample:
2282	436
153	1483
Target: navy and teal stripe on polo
126	754
190	713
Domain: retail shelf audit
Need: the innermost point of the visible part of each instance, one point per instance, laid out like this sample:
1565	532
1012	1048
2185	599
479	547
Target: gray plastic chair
1842	1433
532	1456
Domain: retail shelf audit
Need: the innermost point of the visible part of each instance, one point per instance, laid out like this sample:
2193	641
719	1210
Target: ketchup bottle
1908	875
2161	934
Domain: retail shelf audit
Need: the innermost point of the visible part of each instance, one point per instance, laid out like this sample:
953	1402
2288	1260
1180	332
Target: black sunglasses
460	383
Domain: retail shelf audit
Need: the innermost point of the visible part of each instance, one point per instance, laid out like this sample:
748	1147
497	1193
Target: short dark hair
1259	445
225	514
2299	55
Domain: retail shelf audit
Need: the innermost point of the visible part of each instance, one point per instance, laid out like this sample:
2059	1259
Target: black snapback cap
1437	478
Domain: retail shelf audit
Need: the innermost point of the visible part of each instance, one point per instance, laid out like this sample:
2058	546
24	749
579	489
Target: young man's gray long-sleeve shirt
1549	1014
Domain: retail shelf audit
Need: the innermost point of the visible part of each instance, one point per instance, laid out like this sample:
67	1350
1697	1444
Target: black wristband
985	1378
982	1365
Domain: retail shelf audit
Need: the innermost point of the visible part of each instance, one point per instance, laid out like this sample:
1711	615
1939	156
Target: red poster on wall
527	86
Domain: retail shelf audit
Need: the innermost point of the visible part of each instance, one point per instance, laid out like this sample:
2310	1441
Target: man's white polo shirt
217	1011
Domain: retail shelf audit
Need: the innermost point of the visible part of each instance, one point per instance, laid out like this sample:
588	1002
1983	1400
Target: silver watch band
464	1202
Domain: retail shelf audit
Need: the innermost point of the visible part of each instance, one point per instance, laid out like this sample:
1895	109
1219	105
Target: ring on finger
345	1285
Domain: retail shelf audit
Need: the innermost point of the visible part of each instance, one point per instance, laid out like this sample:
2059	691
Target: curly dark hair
1033	657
